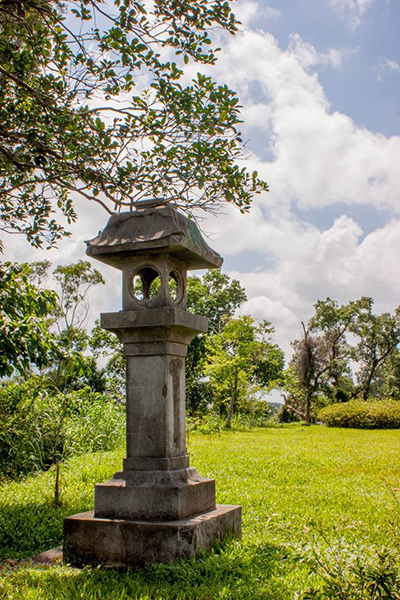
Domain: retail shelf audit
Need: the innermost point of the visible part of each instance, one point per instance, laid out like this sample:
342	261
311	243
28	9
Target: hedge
361	414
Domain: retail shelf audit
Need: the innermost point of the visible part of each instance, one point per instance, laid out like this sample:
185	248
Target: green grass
292	483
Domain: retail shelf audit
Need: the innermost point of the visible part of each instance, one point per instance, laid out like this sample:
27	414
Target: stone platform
125	543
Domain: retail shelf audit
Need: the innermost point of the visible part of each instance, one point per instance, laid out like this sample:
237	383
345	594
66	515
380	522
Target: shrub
361	414
208	423
38	428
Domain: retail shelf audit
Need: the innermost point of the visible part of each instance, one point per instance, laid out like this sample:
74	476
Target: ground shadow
231	570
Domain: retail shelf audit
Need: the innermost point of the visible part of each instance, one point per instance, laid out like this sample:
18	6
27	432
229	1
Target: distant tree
93	103
25	339
332	323
215	296
326	357
74	282
292	408
39	271
378	340
390	376
241	360
310	363
71	367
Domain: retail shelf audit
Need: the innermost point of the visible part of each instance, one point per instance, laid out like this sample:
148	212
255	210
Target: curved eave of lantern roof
156	230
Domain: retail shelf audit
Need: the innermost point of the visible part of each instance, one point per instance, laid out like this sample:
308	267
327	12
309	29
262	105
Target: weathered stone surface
49	557
160	230
150	267
124	543
138	324
149	499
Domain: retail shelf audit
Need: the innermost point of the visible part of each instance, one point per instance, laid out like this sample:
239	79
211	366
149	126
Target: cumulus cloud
337	262
320	157
247	11
308	56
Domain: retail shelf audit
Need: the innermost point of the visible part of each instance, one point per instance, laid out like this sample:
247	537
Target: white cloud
308	56
247	11
270	13
336	262
320	157
386	66
351	11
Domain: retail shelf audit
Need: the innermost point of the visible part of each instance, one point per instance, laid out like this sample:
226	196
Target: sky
319	83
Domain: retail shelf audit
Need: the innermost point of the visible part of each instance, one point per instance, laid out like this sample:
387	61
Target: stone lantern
158	507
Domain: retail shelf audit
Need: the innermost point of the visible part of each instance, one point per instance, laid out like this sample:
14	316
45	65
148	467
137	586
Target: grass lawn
296	484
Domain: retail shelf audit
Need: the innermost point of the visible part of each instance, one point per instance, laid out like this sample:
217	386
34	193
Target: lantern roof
152	230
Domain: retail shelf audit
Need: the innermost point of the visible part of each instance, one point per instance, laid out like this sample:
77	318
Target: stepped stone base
125	543
154	495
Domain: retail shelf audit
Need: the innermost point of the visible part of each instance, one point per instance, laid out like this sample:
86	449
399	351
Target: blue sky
319	82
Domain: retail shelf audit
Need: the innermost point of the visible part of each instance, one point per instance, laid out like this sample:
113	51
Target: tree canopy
92	101
25	340
347	351
241	360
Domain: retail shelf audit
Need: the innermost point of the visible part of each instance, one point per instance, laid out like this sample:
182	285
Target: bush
208	423
361	414
38	428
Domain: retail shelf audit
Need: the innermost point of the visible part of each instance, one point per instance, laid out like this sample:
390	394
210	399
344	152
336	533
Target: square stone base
121	499
122	543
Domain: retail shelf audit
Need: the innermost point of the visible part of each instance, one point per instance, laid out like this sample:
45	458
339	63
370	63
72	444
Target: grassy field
309	495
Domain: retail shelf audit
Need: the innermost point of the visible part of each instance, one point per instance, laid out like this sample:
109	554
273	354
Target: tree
238	360
320	366
378	340
310	362
25	339
72	368
92	103
216	297
74	283
333	323
292	408
390	376
324	360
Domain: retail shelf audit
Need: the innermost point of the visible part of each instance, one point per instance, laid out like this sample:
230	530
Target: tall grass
39	428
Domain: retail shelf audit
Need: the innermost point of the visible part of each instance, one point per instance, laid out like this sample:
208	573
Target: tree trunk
232	402
307	412
367	386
